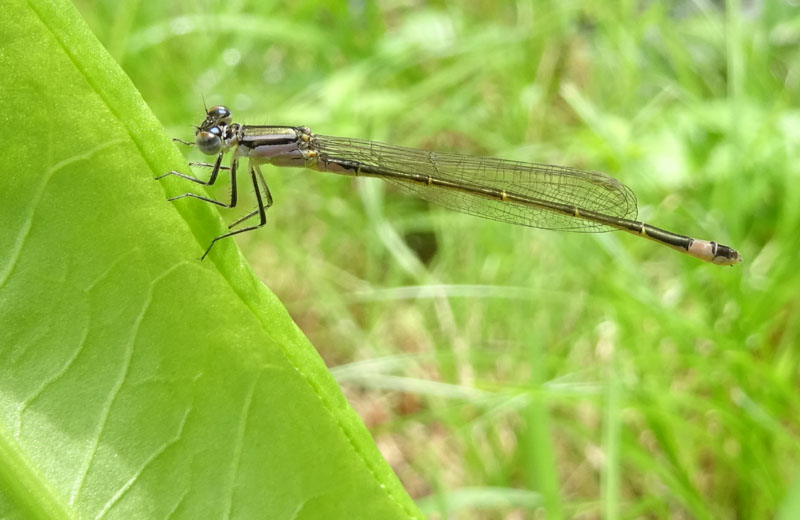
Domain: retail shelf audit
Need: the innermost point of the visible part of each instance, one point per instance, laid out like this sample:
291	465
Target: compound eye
220	114
209	142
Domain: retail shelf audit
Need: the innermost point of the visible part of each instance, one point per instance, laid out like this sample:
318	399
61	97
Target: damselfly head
211	134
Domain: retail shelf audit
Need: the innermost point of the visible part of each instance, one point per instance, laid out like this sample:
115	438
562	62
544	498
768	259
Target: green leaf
136	381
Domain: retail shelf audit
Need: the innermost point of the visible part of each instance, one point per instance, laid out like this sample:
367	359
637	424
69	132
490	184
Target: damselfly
536	195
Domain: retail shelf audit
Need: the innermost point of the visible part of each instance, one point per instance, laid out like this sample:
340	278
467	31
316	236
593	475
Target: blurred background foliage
508	372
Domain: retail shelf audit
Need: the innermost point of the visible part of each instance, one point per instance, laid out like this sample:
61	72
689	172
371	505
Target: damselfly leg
261	211
259	185
212	179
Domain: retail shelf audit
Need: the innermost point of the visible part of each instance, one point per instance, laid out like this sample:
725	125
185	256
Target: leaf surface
136	381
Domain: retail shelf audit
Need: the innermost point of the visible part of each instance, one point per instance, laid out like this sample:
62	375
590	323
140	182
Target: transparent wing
586	190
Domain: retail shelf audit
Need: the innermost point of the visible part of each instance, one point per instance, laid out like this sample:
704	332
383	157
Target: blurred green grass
603	375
